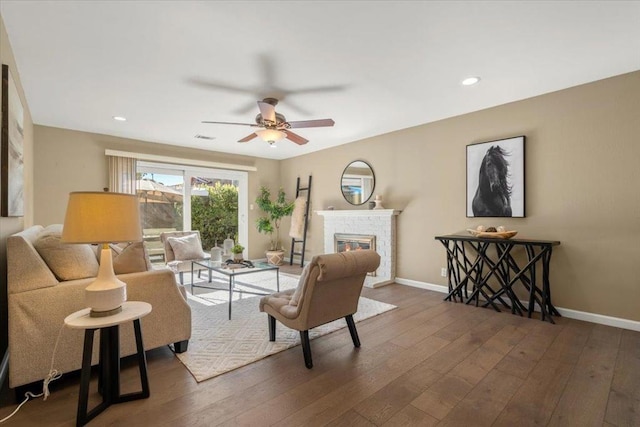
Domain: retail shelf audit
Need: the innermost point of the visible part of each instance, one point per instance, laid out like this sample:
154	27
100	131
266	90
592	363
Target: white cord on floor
53	375
27	395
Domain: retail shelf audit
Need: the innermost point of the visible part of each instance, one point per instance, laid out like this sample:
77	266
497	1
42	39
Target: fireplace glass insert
354	242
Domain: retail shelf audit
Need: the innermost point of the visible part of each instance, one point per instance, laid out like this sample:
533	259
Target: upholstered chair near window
329	289
182	247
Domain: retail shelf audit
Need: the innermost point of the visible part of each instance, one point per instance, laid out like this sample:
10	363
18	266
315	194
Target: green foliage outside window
216	216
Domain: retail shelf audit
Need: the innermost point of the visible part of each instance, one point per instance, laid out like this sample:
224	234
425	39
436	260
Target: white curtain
122	174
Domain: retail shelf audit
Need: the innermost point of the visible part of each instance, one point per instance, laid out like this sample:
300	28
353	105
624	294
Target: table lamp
103	218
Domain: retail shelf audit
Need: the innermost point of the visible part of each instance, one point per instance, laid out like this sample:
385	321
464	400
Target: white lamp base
106	294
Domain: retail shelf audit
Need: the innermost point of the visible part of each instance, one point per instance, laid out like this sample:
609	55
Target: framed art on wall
495	178
11	148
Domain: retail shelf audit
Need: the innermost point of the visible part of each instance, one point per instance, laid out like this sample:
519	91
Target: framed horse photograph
495	178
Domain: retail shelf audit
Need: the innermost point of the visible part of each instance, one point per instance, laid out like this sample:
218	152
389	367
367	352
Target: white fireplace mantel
378	222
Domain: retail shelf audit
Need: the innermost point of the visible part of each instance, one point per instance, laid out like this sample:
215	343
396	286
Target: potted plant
237	252
269	224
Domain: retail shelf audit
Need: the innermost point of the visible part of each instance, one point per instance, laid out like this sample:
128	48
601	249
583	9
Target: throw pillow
128	257
297	294
187	247
66	261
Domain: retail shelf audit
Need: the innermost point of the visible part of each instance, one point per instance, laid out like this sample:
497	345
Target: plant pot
237	257
275	257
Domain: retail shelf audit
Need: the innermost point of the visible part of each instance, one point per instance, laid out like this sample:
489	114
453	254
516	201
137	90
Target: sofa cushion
130	258
127	257
186	247
66	261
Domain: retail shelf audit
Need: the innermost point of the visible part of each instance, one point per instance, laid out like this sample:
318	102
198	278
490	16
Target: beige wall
9	226
581	185
582	188
67	160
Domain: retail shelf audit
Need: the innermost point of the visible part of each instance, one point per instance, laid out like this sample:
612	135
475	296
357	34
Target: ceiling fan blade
245	109
248	137
293	106
268	111
232	123
311	123
267	66
211	84
318	89
295	138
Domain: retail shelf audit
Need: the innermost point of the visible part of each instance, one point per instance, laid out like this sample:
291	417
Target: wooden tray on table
493	234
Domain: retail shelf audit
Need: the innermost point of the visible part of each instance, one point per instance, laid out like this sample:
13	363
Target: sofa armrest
169	306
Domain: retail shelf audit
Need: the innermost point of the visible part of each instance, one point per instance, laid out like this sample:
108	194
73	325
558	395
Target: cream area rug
219	345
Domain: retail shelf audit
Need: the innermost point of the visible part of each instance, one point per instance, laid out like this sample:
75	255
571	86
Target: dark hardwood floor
426	363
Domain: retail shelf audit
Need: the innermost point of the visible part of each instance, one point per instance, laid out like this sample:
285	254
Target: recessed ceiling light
469	81
120	118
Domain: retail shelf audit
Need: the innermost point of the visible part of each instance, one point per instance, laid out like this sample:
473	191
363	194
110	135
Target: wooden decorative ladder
299	190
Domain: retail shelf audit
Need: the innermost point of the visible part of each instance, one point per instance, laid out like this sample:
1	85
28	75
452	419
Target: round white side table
109	364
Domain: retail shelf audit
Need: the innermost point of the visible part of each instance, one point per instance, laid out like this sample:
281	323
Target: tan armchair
180	261
329	289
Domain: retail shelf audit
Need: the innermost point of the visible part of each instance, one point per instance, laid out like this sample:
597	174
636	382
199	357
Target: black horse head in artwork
493	196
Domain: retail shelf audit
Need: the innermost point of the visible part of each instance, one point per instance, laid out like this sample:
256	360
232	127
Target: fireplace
354	242
380	223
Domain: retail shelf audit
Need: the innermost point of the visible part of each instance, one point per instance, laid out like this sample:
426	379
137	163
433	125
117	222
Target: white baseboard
601	319
423	285
616	322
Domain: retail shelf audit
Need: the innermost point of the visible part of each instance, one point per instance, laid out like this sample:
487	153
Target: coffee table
231	271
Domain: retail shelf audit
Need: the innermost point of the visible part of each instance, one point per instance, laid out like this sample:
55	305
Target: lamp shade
101	217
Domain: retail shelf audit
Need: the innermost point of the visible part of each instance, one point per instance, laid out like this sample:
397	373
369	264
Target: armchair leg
181	274
352	330
272	328
306	349
181	346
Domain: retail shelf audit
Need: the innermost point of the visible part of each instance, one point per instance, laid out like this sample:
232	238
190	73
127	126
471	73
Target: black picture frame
495	178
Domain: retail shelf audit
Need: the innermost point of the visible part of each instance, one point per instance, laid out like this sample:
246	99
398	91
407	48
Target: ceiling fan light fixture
271	135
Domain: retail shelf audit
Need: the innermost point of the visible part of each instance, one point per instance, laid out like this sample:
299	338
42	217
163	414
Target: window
172	197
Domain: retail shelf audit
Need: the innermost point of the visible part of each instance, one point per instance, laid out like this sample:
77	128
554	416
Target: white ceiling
374	67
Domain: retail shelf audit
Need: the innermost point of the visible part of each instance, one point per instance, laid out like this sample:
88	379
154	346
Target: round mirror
358	182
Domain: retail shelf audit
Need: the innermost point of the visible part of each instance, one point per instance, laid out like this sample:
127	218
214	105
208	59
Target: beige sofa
39	301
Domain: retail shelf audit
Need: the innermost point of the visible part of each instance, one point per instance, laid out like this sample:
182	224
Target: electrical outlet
443	272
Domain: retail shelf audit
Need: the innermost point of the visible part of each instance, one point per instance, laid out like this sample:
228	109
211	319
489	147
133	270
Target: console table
475	260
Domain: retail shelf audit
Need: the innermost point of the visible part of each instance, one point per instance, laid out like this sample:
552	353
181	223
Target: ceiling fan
275	126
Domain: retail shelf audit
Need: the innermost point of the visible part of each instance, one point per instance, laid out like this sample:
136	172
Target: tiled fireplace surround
378	222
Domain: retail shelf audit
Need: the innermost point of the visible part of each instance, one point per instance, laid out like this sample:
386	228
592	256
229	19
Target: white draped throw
297	219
